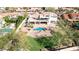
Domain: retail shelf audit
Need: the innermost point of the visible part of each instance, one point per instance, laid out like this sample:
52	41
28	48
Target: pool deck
43	33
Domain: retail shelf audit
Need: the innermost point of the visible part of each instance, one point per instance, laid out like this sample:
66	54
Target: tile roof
73	16
65	16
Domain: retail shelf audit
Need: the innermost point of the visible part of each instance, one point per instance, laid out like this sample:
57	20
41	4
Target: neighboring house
13	16
71	17
2	9
67	8
53	18
33	9
19	9
47	17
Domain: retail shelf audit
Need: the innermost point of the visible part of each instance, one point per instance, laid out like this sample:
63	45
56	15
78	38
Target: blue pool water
39	28
5	30
76	26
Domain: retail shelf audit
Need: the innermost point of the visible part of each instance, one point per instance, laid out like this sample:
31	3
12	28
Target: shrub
9	42
19	20
50	42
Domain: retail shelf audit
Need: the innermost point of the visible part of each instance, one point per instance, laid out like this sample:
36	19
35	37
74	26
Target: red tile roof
65	16
71	17
74	15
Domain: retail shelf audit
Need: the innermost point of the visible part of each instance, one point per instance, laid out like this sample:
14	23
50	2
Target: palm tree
7	9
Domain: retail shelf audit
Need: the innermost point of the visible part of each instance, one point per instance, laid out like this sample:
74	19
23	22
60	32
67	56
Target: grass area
32	44
28	43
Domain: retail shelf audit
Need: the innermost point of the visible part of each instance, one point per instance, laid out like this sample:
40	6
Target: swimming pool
76	25
39	28
5	30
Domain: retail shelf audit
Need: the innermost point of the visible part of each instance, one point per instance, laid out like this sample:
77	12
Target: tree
26	14
43	8
69	11
50	9
60	9
50	43
19	20
24	7
7	8
9	20
75	38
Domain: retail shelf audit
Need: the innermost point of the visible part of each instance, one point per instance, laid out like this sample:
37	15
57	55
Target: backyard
61	37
